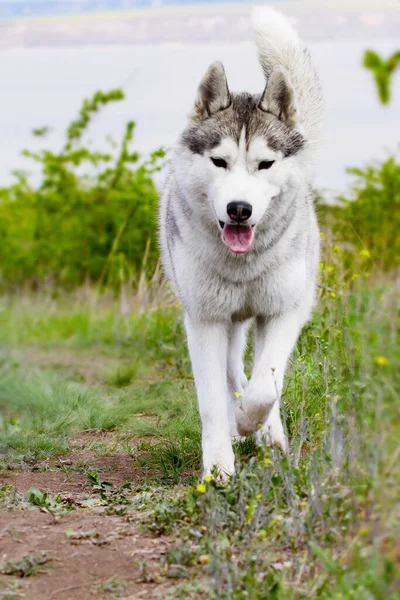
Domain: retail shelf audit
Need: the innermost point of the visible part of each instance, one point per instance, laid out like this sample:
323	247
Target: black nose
239	211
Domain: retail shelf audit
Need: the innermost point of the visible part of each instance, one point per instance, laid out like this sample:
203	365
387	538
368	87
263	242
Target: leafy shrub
91	218
382	71
369	218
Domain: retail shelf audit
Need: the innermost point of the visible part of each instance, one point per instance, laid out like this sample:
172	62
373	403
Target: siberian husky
239	236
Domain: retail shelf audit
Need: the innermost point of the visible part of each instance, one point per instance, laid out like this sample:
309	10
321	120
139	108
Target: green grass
140	384
322	523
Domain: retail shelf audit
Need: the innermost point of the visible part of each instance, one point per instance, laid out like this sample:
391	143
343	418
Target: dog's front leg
237	380
208	347
259	409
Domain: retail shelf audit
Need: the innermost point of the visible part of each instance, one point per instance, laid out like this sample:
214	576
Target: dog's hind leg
259	408
237	380
208	348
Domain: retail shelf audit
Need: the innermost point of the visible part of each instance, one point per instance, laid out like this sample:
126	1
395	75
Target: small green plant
8	496
177	458
382	71
10	590
122	376
91	536
32	564
115	499
181	555
167	515
112	585
99	486
52	505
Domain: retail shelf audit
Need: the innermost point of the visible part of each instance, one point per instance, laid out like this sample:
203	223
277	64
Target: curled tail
281	50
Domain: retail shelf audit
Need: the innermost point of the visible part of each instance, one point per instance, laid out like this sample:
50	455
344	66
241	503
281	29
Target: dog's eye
265	164
220	162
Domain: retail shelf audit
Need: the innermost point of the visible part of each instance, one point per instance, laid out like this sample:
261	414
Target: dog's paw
266	435
252	411
217	474
219	462
272	432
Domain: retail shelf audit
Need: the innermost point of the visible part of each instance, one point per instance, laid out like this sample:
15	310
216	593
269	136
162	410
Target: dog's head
238	153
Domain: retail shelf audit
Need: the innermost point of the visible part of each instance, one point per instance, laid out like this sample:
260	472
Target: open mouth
237	237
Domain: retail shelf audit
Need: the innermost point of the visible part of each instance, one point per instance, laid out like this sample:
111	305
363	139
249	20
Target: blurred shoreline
158	55
46	87
196	23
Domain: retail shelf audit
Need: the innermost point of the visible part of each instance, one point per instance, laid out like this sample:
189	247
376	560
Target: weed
177	458
91	536
147	576
188	590
32	564
112	585
167	515
52	505
116	500
10	591
102	487
122	376
181	555
9	497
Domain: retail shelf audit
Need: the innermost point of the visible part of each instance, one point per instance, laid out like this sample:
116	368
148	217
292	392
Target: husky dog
239	236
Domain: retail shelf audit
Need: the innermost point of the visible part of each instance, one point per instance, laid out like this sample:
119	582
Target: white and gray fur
273	283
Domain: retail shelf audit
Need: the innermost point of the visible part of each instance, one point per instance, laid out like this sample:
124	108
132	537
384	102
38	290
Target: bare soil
101	547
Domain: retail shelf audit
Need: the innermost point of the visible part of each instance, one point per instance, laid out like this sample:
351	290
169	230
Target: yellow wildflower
382	361
262	534
201	488
365	253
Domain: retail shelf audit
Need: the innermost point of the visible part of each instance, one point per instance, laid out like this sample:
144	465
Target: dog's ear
213	94
279	98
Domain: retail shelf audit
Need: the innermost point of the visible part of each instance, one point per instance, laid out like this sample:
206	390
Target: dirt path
86	553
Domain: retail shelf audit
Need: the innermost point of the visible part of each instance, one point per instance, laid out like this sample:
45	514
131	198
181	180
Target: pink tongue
238	238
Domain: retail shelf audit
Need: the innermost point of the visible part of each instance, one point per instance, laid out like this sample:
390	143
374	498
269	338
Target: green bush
382	71
91	218
369	218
